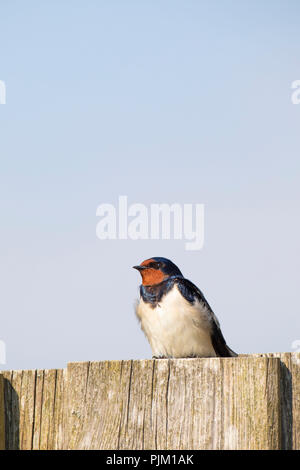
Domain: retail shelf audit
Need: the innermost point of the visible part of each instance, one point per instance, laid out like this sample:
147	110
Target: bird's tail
231	353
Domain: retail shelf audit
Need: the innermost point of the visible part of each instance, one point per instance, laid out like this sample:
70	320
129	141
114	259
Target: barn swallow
174	314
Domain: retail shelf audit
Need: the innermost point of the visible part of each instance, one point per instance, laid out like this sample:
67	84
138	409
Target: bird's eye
155	265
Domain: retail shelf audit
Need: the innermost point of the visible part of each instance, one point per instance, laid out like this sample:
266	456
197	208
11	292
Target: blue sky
162	101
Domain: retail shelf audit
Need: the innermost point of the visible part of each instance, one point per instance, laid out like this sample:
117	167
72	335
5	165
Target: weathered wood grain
290	397
175	404
249	402
2	415
48	425
295	373
34	406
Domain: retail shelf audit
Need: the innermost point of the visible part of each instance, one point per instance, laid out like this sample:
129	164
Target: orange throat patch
152	276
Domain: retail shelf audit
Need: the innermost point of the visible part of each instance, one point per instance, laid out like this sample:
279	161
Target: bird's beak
139	268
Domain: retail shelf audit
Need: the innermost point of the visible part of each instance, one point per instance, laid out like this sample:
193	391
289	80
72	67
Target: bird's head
155	270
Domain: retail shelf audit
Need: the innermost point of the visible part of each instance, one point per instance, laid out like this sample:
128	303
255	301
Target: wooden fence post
175	404
290	397
249	402
34	409
2	415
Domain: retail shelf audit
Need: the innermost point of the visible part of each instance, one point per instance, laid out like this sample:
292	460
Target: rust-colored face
150	275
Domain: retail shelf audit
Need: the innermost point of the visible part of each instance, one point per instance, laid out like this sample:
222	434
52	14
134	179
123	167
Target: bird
175	316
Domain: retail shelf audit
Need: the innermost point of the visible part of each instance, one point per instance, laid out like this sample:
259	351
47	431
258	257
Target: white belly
175	328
